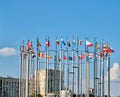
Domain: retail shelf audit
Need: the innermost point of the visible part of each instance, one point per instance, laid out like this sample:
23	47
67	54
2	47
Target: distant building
9	87
53	81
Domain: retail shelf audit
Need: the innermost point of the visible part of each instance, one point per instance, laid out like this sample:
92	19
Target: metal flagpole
95	69
67	70
81	76
20	71
102	72
108	75
27	71
60	87
77	72
73	68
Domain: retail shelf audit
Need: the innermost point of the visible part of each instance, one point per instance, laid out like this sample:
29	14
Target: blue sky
23	20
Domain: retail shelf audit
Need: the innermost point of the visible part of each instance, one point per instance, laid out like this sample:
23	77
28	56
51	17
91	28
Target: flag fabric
64	57
57	42
79	42
82	56
90	55
63	41
22	48
70	58
48	56
96	45
89	44
74	43
41	55
38	43
29	45
68	43
47	43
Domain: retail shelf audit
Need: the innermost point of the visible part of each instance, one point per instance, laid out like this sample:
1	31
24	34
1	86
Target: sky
27	19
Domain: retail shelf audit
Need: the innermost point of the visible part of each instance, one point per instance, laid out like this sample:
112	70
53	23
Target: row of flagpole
27	67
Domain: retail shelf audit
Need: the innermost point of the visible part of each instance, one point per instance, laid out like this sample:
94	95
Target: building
9	87
53	81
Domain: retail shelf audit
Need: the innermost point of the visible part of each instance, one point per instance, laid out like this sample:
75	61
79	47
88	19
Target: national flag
96	45
25	54
74	43
48	43
22	48
38	43
70	58
29	45
41	55
90	55
68	43
82	56
79	42
57	42
48	56
33	55
62	41
64	57
89	44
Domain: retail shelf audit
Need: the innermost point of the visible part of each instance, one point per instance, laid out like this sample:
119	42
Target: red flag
38	43
82	56
29	45
65	58
89	44
48	43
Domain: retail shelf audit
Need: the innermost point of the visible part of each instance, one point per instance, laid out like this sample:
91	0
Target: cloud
114	73
8	51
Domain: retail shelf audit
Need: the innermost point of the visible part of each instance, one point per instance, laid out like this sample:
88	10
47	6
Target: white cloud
8	51
114	72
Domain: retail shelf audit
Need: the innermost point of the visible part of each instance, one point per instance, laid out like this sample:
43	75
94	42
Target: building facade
50	85
9	87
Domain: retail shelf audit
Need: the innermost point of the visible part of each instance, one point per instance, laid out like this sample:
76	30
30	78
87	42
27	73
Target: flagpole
20	71
108	75
67	70
46	70
72	68
95	69
77	73
60	87
102	72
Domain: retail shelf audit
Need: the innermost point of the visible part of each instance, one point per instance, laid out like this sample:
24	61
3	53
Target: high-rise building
9	87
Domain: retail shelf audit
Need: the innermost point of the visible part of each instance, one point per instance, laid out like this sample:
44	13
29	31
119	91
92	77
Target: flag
25	54
48	43
48	56
62	41
79	42
82	56
68	43
38	43
96	45
89	44
41	55
22	48
70	58
64	57
57	42
29	45
90	56
74	43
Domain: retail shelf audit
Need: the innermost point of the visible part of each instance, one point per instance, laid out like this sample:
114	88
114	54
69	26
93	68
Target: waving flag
41	55
62	41
74	43
89	44
90	56
48	56
29	45
70	58
82	56
64	57
79	42
22	48
47	43
57	42
68	43
38	43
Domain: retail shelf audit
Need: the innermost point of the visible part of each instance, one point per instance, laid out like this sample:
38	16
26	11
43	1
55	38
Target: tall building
9	87
51	84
